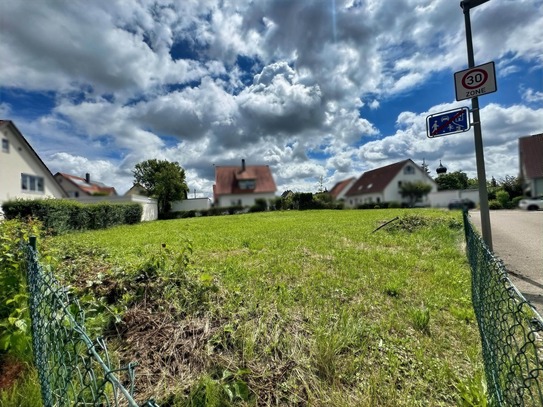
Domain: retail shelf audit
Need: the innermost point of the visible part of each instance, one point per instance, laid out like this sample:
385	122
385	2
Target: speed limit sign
476	81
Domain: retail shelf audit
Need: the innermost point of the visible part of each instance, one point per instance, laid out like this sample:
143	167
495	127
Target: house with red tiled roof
339	190
531	164
23	175
77	187
384	184
242	185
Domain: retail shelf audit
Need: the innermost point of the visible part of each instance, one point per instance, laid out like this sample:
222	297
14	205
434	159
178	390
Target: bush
61	216
503	198
14	317
494	204
260	206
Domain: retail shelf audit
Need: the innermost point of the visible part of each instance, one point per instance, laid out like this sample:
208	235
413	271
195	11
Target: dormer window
247	184
5	145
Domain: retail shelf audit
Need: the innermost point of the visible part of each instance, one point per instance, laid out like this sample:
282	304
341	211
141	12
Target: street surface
517	239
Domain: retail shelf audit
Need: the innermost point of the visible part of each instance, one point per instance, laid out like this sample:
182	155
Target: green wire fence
511	330
73	370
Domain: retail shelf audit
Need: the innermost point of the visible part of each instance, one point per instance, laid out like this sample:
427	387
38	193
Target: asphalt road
517	239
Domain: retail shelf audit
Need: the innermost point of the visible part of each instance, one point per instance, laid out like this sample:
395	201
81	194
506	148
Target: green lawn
285	308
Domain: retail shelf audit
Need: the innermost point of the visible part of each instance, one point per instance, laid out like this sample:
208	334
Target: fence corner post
32	241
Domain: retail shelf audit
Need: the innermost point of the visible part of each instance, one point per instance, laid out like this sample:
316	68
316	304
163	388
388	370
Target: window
399	184
32	183
247	184
409	170
5	145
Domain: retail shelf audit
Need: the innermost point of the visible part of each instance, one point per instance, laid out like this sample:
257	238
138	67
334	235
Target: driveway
517	237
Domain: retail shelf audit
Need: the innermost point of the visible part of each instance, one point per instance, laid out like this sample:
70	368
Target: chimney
242	164
87	178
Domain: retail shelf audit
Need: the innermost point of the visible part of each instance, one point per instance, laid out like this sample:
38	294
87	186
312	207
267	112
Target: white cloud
531	96
208	82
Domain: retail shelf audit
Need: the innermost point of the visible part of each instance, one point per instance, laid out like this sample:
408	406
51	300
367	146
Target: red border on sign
485	76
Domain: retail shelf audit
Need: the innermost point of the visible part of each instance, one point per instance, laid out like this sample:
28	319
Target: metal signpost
448	122
479	156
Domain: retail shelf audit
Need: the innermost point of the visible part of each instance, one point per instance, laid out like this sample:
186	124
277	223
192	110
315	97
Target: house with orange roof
242	185
384	184
77	187
23	175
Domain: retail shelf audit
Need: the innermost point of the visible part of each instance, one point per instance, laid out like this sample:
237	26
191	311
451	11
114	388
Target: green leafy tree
512	185
163	180
452	180
414	191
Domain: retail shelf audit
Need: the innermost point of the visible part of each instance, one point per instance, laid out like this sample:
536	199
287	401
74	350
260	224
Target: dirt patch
170	353
11	370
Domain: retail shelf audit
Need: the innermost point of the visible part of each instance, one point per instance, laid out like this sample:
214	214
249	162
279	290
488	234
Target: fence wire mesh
511	330
73	370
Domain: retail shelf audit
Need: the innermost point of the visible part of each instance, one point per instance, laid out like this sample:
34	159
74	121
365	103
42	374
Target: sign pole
479	155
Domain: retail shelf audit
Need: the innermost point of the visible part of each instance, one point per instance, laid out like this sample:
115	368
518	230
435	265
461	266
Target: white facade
441	199
191	204
225	201
23	175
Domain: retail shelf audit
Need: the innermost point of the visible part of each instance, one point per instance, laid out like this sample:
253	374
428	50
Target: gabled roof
227	177
136	189
376	181
340	186
91	187
46	171
531	156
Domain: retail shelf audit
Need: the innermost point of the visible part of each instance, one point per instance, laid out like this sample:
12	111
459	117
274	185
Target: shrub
394	204
260	206
61	216
503	198
494	204
14	318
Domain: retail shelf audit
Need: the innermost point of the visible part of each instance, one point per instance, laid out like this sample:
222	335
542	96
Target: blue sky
321	89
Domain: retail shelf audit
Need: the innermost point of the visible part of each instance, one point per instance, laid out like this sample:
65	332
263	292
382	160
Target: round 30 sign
475	82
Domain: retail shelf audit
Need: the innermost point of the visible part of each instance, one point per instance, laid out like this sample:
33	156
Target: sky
319	90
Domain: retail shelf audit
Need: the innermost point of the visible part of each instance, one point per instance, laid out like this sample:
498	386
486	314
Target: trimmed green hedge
62	216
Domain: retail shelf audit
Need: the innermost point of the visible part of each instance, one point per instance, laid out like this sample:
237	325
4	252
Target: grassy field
285	308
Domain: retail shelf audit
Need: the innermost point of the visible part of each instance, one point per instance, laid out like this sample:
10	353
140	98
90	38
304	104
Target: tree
452	180
414	191
512	185
163	180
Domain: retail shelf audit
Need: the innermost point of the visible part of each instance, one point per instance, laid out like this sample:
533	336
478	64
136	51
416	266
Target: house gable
383	184
242	184
339	190
23	174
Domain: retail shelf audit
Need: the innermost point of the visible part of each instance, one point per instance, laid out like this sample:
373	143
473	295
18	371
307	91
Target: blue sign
449	122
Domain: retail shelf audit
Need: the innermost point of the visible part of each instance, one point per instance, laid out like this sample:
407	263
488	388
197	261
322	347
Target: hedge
62	216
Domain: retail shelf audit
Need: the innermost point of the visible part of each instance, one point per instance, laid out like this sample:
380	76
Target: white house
242	185
22	172
384	184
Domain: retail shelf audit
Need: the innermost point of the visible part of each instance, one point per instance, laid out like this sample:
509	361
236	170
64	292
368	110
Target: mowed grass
307	308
